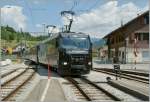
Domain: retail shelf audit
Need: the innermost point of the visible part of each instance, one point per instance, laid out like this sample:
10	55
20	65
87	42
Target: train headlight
89	63
65	63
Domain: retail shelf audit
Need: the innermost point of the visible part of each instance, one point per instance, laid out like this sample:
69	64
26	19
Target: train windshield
75	43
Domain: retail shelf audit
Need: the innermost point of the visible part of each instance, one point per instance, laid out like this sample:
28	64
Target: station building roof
125	25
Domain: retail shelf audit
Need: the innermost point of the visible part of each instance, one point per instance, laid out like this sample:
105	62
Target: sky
94	17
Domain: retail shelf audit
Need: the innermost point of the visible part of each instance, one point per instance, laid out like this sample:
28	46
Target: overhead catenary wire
90	8
75	3
30	10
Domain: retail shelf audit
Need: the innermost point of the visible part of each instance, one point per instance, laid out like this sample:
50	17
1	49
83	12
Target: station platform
43	93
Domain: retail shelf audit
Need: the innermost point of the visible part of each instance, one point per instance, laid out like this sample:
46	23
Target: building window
146	19
142	36
123	55
145	36
138	36
112	40
145	55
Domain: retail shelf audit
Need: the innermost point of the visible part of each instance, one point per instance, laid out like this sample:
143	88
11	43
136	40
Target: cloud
106	18
36	2
38	25
68	1
13	16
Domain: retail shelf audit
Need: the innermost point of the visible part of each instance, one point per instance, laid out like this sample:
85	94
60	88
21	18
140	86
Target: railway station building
130	42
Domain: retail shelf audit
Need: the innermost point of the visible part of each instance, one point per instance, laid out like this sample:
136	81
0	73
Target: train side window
57	42
38	47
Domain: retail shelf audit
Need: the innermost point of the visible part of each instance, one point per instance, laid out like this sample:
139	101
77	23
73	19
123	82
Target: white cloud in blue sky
101	18
38	25
13	16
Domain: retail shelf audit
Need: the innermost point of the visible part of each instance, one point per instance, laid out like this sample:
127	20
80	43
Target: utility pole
44	28
125	49
149	45
21	41
0	34
0	47
149	41
125	43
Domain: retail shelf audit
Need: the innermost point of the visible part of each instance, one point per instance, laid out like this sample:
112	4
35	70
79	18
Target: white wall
130	57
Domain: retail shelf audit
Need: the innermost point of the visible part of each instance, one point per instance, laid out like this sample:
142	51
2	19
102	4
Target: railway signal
117	71
116	68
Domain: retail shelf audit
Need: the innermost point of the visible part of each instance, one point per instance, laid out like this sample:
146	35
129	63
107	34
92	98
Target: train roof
73	34
62	34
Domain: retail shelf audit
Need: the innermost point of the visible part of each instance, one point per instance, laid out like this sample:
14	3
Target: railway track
9	72
12	75
89	91
12	86
125	74
140	93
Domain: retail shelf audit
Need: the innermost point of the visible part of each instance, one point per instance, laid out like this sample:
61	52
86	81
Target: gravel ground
70	96
67	88
8	68
125	97
139	67
100	77
10	76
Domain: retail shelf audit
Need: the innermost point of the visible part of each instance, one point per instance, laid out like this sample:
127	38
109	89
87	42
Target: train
67	53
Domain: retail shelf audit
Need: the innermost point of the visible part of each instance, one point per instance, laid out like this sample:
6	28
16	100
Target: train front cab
73	67
75	61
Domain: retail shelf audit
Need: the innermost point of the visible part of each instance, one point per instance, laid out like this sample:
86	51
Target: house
130	42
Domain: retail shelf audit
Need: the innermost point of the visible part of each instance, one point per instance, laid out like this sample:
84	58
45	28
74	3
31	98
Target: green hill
10	37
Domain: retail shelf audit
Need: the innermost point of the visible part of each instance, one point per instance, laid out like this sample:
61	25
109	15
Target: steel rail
7	73
128	72
75	83
121	76
13	78
101	89
135	93
16	89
